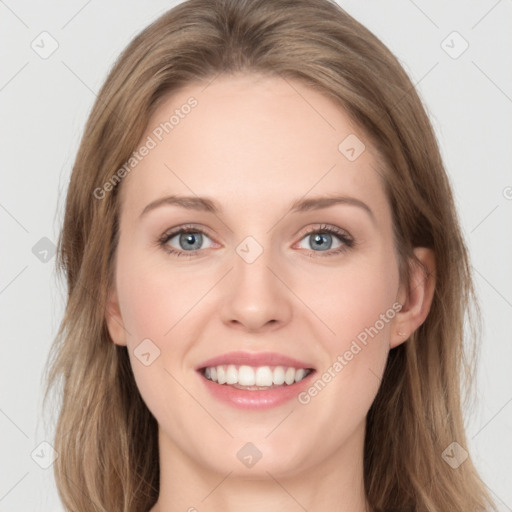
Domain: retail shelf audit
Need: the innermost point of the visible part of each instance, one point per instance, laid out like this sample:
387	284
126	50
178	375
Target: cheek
353	300
345	387
154	299
154	304
358	307
341	301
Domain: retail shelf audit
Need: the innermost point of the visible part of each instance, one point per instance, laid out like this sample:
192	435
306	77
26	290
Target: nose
256	296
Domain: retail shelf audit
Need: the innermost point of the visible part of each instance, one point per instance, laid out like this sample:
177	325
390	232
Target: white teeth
246	376
221	375
261	376
231	375
299	374
289	376
278	375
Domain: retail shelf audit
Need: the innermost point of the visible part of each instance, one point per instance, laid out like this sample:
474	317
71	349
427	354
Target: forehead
253	139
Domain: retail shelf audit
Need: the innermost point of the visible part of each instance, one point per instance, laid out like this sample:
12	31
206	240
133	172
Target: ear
415	296
114	319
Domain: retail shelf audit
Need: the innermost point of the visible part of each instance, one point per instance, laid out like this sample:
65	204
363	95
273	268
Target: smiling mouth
252	378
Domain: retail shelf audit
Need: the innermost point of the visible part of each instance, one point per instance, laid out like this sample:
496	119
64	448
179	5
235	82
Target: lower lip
255	399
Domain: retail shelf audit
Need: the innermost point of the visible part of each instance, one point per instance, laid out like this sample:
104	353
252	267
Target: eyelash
347	241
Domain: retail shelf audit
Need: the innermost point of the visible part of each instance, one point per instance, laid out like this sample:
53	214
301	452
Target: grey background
44	104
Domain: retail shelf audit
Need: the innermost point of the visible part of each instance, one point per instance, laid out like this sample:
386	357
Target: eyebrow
300	205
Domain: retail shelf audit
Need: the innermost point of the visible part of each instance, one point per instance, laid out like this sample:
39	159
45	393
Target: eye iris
189	240
193	240
318	238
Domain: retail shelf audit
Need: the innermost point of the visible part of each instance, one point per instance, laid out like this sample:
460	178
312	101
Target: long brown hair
105	435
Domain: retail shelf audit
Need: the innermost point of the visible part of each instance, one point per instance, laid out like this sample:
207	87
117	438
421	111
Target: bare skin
254	145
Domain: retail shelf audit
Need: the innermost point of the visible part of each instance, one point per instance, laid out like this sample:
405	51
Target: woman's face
274	274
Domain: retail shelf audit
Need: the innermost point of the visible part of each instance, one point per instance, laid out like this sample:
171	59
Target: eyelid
321	227
346	239
343	235
185	227
178	230
204	230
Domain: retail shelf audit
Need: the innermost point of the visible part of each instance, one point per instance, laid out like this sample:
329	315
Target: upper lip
254	359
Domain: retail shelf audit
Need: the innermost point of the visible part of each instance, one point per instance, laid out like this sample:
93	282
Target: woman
267	278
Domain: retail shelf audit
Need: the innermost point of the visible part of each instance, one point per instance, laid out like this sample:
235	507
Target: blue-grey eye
322	241
191	240
187	240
